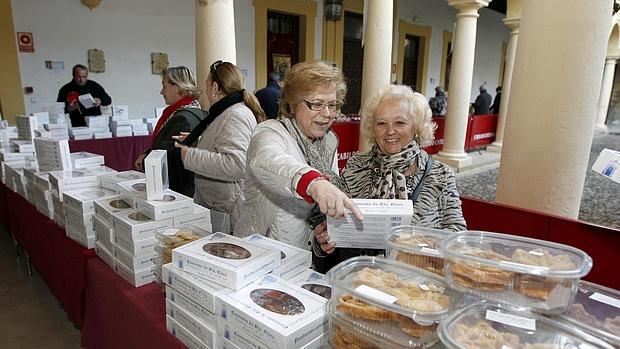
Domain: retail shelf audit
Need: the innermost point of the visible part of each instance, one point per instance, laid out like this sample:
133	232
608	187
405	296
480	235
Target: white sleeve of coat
271	165
232	141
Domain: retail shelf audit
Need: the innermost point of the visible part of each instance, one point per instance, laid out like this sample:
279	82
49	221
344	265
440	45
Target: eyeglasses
213	69
317	106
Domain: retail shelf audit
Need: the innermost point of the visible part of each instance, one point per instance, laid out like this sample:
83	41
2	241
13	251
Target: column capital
468	5
611	59
513	23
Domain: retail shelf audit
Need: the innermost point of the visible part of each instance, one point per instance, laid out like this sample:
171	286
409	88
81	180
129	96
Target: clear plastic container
597	310
393	301
416	246
486	325
527	273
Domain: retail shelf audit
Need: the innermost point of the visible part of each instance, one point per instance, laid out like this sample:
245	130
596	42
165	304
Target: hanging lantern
91	4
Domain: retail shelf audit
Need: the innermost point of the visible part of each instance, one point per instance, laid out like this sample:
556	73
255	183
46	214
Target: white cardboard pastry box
138	247
84	159
200	218
182	334
104	234
110	180
172	204
82	200
104	254
314	282
105	209
78	220
80	236
380	215
131	190
134	263
245	343
293	260
274	313
198	327
137	278
189	305
53	154
156	171
132	225
226	260
62	181
200	290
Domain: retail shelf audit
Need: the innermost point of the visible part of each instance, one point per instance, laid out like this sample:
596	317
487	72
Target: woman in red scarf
183	113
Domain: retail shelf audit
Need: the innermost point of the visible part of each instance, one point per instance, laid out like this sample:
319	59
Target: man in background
80	85
439	103
497	100
483	102
269	97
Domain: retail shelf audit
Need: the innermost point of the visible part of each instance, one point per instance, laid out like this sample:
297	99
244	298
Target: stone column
555	87
461	75
496	146
215	38
606	87
377	51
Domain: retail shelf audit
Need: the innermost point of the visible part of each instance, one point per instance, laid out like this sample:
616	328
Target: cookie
360	309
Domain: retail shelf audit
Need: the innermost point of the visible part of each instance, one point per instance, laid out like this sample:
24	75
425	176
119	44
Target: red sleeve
304	181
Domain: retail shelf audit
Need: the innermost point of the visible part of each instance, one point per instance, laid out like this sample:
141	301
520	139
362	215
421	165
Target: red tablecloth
60	261
121	316
4	210
120	153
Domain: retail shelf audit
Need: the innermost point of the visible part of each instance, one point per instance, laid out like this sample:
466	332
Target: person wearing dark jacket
182	115
483	102
269	97
497	100
80	85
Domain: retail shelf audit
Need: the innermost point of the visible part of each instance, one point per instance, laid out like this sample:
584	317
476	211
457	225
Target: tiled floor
30	316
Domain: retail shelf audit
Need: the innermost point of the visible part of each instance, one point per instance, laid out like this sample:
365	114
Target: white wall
127	32
440	16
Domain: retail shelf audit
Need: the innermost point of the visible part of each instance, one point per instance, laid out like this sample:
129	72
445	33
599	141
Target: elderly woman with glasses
219	157
183	113
396	124
292	174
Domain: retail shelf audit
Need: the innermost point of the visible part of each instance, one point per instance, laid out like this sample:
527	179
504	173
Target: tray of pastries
390	300
596	309
496	326
524	272
416	246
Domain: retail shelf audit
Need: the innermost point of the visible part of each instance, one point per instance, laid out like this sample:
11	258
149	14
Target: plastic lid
597	310
414	239
373	334
499	326
363	277
517	254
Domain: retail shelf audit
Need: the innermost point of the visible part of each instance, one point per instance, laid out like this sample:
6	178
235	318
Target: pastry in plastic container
596	309
416	246
395	304
497	326
524	272
167	240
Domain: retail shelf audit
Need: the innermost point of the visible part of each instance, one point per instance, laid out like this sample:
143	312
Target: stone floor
600	203
31	317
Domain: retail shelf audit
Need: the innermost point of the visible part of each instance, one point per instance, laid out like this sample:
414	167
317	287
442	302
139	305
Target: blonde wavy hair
305	78
184	78
418	111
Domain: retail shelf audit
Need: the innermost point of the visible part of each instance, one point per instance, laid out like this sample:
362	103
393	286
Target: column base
458	161
495	147
600	128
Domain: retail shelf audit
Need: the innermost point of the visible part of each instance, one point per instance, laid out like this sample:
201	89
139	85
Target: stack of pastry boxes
248	291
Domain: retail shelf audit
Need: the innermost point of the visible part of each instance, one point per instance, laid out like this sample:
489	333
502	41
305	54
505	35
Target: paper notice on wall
608	164
87	101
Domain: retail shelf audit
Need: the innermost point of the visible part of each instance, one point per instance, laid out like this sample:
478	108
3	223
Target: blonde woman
218	160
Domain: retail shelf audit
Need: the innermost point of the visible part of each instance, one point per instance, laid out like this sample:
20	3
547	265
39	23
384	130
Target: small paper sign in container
390	304
416	246
487	325
597	311
524	272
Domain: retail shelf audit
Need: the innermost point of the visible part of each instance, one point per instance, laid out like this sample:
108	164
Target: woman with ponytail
218	160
